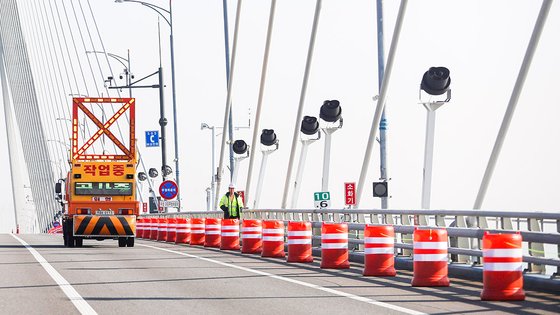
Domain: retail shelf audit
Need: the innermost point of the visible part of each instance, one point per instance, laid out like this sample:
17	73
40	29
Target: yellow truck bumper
103	226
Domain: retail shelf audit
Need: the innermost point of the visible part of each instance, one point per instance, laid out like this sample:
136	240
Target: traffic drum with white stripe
299	242
140	227
334	246
212	227
230	234
162	229
251	235
273	238
430	258
171	230
502	258
379	250
154	224
197	231
183	231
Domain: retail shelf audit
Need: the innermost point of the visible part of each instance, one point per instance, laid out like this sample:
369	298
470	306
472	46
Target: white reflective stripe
183	230
273	238
379	240
257	236
212	226
230	228
273	231
511	266
430	257
171	225
197	226
430	245
503	252
299	241
299	233
197	231
334	245
171	230
212	232
254	229
334	236
230	234
379	250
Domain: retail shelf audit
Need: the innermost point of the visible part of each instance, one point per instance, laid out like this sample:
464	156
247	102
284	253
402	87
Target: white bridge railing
540	230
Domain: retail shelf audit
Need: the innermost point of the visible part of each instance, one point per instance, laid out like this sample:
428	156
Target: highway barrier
299	242
251	234
379	250
230	234
212	232
198	234
154	228
430	258
162	229
503	267
334	246
183	231
273	239
171	230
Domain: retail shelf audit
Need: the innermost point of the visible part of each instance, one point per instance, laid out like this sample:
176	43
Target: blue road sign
152	138
168	189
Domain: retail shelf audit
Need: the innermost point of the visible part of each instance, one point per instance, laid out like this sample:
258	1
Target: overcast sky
481	42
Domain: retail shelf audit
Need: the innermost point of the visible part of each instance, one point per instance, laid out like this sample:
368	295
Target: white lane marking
305	284
76	299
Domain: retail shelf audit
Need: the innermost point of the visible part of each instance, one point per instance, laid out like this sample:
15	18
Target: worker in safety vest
231	204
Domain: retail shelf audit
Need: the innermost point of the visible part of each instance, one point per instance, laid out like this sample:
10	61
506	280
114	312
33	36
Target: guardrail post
406	238
535	249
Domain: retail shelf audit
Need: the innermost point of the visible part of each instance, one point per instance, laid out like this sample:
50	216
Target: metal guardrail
540	230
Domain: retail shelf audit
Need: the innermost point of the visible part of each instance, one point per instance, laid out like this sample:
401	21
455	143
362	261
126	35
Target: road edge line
73	295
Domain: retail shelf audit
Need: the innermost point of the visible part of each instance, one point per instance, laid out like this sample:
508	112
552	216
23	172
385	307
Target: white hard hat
231	186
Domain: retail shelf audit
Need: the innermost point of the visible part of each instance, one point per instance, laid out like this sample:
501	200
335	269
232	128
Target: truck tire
130	242
70	239
122	241
64	232
79	241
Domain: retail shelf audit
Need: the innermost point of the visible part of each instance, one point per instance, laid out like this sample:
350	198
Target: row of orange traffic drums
502	253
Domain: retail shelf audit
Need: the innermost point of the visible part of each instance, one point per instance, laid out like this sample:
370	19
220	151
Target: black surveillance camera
109	78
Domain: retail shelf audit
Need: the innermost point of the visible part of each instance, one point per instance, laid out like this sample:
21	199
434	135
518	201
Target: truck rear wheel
69	234
130	242
122	241
79	241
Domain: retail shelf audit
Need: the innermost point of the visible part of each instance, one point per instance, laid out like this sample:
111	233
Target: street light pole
169	21
121	60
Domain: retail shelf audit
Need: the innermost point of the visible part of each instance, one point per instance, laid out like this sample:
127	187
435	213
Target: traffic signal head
380	189
436	81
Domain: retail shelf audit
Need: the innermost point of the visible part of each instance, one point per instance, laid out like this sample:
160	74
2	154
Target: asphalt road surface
161	278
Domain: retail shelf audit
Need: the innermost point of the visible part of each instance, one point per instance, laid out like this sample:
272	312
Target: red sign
96	169
350	193
168	190
144	207
241	194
